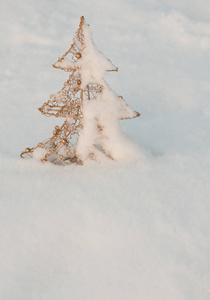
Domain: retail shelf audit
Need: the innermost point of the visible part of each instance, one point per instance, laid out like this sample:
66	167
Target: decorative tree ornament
91	110
78	55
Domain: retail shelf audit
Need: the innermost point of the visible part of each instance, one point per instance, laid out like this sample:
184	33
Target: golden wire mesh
67	103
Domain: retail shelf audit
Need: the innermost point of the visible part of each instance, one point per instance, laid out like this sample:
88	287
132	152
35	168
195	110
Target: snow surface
109	230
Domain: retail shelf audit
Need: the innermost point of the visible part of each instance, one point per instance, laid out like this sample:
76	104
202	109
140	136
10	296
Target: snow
93	63
104	112
108	229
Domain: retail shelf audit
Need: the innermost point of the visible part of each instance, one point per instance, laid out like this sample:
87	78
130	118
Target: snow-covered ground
115	230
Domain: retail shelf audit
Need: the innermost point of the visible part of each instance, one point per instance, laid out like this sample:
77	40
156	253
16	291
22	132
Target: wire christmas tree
90	108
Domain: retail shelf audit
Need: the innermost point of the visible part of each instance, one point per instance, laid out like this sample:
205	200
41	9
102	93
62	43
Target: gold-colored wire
68	102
